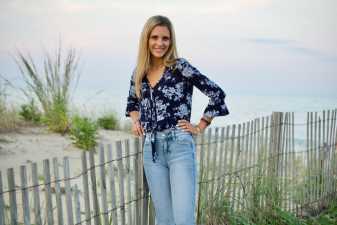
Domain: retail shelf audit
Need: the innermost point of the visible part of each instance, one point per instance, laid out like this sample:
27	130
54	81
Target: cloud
293	47
270	41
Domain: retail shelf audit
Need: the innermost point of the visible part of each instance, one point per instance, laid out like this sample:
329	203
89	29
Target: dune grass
9	119
29	112
109	121
51	86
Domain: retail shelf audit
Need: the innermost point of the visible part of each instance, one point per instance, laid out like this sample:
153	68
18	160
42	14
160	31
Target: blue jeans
172	178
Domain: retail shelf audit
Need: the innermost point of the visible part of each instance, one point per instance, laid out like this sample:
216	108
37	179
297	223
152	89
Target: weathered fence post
121	180
275	151
103	186
58	192
68	190
12	196
2	204
128	187
137	163
25	197
201	175
111	172
85	183
37	209
77	204
94	187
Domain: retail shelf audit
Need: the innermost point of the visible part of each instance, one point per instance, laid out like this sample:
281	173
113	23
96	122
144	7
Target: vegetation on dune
30	112
48	91
109	121
83	132
9	119
52	86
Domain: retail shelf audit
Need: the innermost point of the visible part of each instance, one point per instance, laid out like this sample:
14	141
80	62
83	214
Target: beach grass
52	86
109	121
30	113
9	118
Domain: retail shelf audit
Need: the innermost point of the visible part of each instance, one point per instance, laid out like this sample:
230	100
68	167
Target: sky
248	47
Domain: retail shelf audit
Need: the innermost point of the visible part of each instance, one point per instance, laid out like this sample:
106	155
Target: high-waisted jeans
172	178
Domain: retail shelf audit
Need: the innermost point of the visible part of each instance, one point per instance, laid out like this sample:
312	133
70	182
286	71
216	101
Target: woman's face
159	41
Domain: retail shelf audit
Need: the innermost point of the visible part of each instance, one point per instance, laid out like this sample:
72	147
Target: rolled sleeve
132	100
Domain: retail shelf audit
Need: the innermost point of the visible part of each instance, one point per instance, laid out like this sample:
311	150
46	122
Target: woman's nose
160	41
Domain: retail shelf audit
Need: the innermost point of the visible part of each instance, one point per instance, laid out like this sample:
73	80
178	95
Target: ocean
242	108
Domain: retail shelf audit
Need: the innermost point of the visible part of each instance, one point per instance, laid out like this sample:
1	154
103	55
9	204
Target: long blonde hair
144	55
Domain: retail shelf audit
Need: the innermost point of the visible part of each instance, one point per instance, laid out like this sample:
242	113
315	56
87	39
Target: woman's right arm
132	110
137	128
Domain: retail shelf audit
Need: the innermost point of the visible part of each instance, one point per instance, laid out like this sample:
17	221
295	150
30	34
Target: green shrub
57	118
83	132
30	112
108	121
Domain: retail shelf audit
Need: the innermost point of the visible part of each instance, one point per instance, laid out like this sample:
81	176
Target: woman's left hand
187	126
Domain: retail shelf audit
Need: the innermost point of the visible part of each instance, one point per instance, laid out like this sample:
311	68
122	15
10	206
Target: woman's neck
157	63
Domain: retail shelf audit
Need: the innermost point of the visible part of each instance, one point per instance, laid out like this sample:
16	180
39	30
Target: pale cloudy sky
268	47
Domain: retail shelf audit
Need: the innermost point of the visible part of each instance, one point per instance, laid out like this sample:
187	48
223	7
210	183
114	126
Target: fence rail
236	164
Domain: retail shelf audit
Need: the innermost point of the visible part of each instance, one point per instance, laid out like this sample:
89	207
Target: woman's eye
163	38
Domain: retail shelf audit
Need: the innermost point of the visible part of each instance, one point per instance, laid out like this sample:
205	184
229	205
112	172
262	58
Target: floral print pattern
170	99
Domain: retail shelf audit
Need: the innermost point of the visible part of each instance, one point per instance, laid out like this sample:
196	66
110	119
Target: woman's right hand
137	128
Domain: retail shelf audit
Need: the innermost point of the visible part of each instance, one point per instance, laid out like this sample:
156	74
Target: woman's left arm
216	105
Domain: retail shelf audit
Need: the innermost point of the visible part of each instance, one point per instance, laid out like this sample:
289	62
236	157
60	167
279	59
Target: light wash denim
172	178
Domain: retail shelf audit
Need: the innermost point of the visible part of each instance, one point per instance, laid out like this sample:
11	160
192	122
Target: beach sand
34	144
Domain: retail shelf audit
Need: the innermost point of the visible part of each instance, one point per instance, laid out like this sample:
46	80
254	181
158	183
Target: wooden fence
236	164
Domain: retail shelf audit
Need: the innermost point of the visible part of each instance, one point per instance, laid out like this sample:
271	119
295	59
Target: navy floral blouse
170	99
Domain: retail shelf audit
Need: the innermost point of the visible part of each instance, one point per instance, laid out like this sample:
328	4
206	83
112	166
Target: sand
34	144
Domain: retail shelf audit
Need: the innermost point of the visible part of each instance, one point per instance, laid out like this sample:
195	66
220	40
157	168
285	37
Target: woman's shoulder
184	67
181	63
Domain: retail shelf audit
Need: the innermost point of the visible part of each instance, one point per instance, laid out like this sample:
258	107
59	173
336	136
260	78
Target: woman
159	104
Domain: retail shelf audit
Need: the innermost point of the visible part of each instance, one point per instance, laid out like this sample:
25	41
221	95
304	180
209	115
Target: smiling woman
159	103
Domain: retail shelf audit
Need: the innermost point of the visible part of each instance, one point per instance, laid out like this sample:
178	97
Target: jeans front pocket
184	138
183	142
